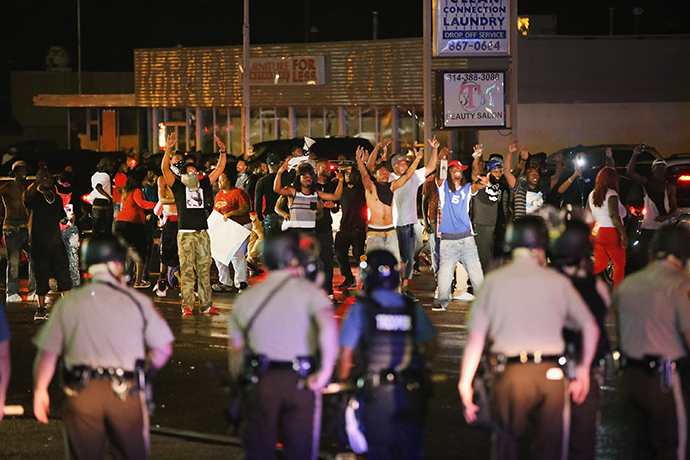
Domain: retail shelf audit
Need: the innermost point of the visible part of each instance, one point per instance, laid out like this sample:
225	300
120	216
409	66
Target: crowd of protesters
475	214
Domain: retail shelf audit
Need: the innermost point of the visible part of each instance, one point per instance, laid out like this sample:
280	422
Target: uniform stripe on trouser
316	431
681	415
566	418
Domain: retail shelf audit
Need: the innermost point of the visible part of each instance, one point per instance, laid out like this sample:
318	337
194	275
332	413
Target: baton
13	410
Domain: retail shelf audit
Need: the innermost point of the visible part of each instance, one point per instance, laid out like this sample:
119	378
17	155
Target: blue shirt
455	214
4	326
353	324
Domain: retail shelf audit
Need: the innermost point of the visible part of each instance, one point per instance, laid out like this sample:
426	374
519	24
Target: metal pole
79	44
428	110
513	74
245	81
375	20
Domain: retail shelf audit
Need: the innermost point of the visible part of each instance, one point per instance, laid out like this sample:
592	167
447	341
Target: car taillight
637	212
685	178
85	198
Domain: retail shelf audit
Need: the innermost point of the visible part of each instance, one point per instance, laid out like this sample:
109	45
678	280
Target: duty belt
656	365
524	358
391	377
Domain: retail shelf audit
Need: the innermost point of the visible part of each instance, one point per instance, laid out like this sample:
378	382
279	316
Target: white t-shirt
601	213
103	179
405	199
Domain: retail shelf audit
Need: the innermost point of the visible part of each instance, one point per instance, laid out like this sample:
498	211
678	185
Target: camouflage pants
194	250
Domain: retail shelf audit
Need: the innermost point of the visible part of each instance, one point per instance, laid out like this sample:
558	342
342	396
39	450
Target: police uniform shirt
354	325
654	311
99	326
524	306
280	329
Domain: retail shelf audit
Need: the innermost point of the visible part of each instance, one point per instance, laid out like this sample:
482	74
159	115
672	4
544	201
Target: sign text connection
473	100
472	27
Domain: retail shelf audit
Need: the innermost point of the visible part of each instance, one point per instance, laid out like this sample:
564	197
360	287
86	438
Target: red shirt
227	201
133	208
118	181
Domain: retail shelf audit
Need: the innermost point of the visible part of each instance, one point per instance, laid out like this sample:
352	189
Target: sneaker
142	285
438	307
160	292
210	311
348	284
14	298
41	314
425	259
32	297
218	287
187	311
465	297
409	295
243	285
331	297
416	272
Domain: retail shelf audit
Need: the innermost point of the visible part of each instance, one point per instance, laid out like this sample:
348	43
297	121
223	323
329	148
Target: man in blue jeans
405	207
457	237
16	231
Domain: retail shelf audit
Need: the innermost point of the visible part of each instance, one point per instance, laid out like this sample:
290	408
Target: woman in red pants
608	236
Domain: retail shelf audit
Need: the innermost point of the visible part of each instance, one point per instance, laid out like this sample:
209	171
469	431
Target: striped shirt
303	211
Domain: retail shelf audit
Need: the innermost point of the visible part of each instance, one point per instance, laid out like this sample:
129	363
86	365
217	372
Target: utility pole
245	80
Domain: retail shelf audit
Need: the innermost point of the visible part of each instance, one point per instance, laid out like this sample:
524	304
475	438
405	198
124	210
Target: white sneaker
14	298
160	293
33	297
465	296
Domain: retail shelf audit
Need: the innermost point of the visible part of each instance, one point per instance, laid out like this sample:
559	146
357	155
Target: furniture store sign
472	27
473	100
290	70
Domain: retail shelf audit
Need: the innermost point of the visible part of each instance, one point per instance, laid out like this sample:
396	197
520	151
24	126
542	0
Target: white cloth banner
226	237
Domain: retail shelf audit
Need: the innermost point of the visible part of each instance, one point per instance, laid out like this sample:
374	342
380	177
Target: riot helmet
572	245
380	271
671	240
291	249
527	232
101	249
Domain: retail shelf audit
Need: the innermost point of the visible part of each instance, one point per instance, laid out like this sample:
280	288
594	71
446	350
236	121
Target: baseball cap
272	159
458	164
658	161
398	157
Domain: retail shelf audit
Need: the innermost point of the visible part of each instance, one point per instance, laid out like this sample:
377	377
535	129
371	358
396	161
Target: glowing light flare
161	135
85	198
132	163
684	178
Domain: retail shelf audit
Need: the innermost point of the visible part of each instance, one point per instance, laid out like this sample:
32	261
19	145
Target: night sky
111	30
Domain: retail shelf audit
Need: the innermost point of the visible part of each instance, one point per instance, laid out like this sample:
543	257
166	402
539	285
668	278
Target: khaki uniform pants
96	412
194	250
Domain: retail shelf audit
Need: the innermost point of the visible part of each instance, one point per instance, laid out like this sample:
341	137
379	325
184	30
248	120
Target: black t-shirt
265	198
44	220
577	192
325	223
487	203
191	205
354	205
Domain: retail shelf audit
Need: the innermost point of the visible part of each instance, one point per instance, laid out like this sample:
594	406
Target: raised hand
221	144
171	141
478	150
434	143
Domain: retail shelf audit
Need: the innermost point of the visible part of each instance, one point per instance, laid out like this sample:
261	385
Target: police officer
654	319
570	255
102	331
283	323
393	338
522	309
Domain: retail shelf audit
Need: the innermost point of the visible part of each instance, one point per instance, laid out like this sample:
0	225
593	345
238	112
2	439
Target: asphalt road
188	422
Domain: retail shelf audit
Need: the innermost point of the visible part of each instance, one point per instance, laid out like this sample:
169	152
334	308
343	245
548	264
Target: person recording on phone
659	200
577	183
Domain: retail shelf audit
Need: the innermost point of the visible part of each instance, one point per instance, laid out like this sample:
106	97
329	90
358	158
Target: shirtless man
379	194
16	231
168	239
